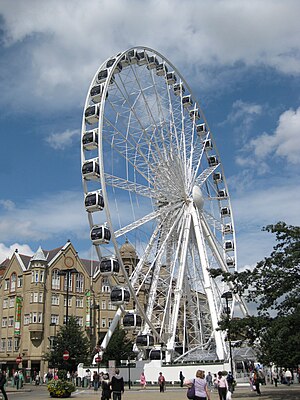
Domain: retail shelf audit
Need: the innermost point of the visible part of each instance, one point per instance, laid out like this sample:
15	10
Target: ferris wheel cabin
161	69
187	101
217	177
100	234
118	67
156	354
109	266
194	114
213	161
102	76
96	93
178	89
208	144
227	229
225	212
119	295
132	321
142	58
91	169
144	341
90	139
152	62
92	114
133	56
171	78
94	201
229	245
201	130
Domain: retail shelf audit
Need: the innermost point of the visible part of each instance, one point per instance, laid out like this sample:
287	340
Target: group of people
203	385
113	386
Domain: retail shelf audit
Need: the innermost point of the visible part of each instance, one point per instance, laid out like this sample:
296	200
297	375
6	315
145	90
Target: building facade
39	292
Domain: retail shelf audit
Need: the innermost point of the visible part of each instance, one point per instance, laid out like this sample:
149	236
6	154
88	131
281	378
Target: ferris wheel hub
198	197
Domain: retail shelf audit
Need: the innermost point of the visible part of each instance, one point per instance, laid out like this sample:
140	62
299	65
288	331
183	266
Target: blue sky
241	59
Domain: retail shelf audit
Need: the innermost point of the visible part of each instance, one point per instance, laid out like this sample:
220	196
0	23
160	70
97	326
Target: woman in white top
201	391
222	386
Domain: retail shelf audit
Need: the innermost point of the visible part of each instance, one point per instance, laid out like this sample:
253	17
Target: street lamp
228	296
67	273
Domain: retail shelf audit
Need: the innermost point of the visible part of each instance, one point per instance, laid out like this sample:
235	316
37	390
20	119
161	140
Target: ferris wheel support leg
112	327
178	289
220	345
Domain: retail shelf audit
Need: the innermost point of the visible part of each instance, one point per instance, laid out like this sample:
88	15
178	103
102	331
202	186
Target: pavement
268	392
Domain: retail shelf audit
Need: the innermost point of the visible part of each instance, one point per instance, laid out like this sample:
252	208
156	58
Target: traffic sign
18	359
98	359
66	355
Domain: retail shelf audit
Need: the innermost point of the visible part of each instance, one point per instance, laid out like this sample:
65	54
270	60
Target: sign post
66	355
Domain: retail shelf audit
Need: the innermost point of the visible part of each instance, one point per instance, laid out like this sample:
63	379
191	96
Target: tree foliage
119	347
274	286
72	338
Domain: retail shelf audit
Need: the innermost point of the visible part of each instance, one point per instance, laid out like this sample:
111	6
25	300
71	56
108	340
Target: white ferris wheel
153	178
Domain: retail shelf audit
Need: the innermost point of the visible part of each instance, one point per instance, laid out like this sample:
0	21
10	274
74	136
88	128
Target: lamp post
67	273
228	296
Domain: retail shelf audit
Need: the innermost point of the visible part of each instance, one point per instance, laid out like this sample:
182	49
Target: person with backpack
117	385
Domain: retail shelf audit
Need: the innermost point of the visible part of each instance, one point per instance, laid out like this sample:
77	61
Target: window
9	344
111	306
16	343
40	317
34	317
55	299
105	285
54	319
6	284
103	322
109	322
3	344
42	276
35	297
31	297
70	282
55	284
41	297
103	305
26	319
79	283
36	276
13	281
11	302
11	320
4	322
20	281
79	302
80	321
5	303
69	301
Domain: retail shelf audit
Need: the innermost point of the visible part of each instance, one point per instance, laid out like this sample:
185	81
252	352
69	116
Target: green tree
274	286
72	338
119	347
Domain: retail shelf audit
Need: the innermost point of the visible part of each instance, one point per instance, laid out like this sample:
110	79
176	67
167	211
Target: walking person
96	379
209	380
105	386
256	382
181	378
117	385
2	384
222	386
201	388
161	382
275	377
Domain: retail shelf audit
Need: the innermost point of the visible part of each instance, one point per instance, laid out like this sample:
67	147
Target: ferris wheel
153	178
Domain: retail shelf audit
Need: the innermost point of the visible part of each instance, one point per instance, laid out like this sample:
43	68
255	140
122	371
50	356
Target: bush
60	388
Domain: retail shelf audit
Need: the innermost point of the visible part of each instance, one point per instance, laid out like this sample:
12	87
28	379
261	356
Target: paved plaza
282	392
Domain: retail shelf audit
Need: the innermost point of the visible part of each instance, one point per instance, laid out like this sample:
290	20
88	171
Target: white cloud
284	142
62	49
7	252
60	141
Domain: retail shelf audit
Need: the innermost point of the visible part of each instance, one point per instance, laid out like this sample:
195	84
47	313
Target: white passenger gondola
201	130
92	114
132	321
213	161
144	340
109	266
227	229
225	211
230	262
90	169
194	114
90	139
133	56
102	76
179	89
96	93
187	101
228	245
217	177
94	201
117	67
143	58
125	61
161	69
100	234
156	354
171	78
207	144
152	62
222	193
119	295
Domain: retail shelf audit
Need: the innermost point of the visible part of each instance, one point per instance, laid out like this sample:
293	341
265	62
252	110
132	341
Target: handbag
228	395
190	394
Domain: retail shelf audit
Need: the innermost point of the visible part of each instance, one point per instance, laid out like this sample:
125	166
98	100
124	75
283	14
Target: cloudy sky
241	59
